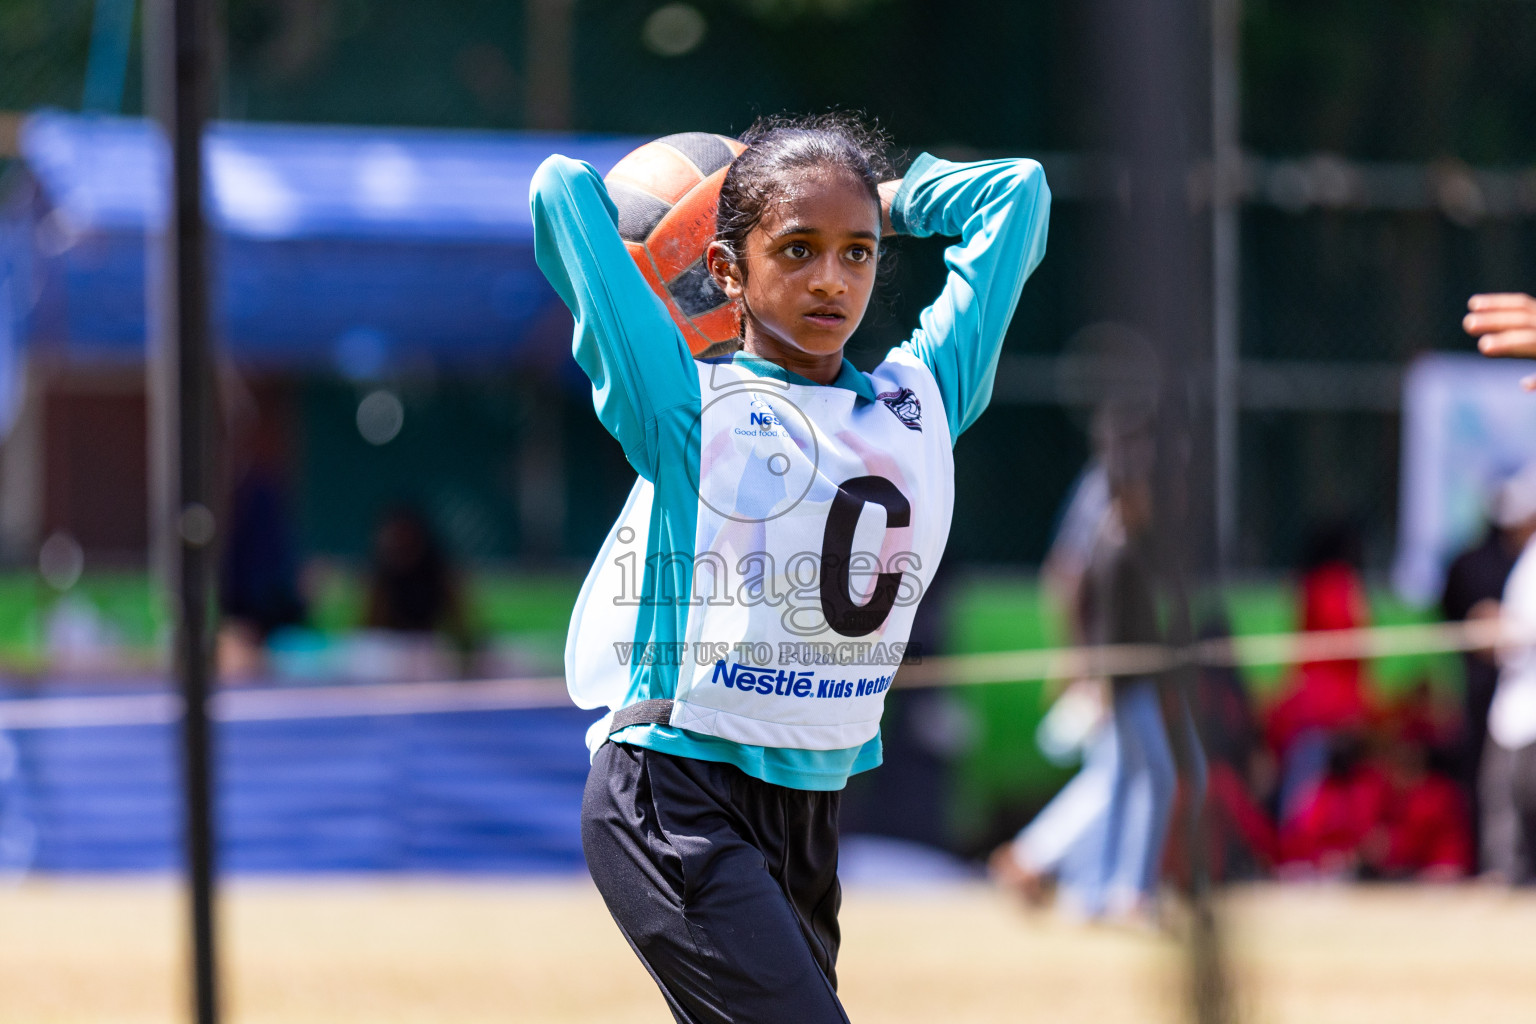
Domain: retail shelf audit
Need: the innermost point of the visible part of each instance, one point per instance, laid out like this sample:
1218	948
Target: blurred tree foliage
1391	79
43	47
923	69
1374	79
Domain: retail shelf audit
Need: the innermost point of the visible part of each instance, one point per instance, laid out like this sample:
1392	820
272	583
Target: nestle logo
762	417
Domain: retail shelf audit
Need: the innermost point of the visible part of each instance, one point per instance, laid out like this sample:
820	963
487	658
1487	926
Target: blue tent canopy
357	248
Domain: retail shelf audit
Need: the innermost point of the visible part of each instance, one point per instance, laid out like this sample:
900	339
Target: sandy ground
454	952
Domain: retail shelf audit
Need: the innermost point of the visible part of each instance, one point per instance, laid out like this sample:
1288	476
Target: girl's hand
1504	324
888	190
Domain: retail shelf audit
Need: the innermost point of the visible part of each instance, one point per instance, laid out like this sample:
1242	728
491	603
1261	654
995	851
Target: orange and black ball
666	193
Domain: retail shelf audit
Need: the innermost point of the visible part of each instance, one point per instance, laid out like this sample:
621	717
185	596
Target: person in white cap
1507	785
1474	583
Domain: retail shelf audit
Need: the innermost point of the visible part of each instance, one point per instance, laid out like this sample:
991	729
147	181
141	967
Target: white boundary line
369	699
1264	649
273	704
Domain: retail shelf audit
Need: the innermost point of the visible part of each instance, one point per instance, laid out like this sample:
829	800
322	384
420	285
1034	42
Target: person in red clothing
1239	835
1332	833
1388	818
1429	836
1327	695
1419	719
1429	833
1323	699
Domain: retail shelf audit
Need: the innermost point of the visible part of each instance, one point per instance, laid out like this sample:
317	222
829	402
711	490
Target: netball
666	193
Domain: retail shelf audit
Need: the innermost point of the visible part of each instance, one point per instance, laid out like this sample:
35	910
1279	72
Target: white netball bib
820	520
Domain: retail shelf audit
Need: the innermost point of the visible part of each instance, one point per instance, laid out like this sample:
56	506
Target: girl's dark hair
781	144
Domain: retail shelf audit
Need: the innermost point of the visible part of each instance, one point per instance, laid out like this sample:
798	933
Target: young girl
748	611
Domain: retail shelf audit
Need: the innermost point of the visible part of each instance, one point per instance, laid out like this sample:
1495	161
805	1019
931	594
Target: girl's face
806	272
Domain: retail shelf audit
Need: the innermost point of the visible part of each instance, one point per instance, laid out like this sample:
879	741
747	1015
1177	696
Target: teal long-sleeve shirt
645	386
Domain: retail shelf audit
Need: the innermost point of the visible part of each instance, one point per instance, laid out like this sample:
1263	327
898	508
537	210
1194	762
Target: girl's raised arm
625	340
1000	209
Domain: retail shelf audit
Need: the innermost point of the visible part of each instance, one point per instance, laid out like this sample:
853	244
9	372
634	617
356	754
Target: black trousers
1482	679
1508	787
725	885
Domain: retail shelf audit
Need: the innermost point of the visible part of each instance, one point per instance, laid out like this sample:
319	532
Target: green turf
126	603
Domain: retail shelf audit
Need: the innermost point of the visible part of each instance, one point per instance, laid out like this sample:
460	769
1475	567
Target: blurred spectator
1077	528
1241	836
1420	717
1387	817
1323	699
1508	782
1063	845
259	584
412	588
1328	832
1062	848
1120	598
1428	835
1473	585
1103	837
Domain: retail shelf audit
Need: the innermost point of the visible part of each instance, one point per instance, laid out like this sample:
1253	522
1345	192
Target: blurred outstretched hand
1504	324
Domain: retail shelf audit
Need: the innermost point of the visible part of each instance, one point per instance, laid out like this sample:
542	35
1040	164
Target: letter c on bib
845	617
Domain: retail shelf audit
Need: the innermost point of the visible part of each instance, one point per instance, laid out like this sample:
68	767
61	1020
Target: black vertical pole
179	47
1152	106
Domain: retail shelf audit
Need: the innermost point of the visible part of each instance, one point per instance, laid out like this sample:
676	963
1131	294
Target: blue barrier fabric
471	791
333	245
